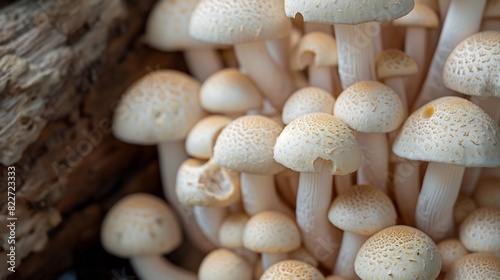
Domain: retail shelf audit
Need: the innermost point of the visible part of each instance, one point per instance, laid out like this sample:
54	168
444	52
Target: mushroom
307	100
292	269
451	133
480	231
450	250
231	235
142	227
463	207
301	254
487	193
475	266
201	138
222	264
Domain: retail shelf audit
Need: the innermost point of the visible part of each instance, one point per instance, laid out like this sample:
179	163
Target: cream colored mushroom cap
464	205
235	22
231	230
480	231
201	138
421	16
162	106
292	270
473	67
363	210
487	192
271	232
348	12
395	63
307	100
398	252
246	145
475	266
450	130
140	225
318	136
450	250
222	264
229	91
315	48
370	107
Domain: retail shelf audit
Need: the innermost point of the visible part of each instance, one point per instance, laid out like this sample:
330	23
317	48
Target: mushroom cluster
327	139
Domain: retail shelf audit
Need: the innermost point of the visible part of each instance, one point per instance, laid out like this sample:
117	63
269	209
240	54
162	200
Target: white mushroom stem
415	47
406	189
351	243
321	77
375	164
157	267
270	259
209	220
378	45
439	192
202	63
398	85
343	183
279	50
171	155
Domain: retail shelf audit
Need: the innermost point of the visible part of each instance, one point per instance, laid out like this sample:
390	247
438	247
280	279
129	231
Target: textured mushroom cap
229	91
231	230
487	192
235	22
222	264
450	250
450	130
475	266
480	231
395	63
398	252
162	106
473	67
370	107
140	225
201	138
464	205
363	210
246	145
271	232
348	12
292	270
421	16
318	136
307	100
315	48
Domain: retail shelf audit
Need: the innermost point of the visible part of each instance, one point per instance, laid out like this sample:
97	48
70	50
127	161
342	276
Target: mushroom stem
279	50
415	38
157	267
470	179
378	45
439	192
209	220
321	77
406	189
202	63
398	85
310	27
343	183
351	243
269	259
375	165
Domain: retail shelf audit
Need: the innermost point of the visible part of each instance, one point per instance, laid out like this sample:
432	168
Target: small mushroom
292	269
450	250
222	264
307	100
475	266
480	231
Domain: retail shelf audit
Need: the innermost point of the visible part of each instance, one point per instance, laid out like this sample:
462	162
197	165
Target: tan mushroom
475	266
222	264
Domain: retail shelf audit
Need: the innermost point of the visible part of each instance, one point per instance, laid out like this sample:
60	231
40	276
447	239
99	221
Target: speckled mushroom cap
394	63
229	91
421	16
140	225
450	130
234	22
231	230
222	264
475	266
201	138
363	210
292	269
370	107
473	67
162	106
487	192
315	48
318	136
450	250
398	252
271	232
348	12
246	145
307	100
480	231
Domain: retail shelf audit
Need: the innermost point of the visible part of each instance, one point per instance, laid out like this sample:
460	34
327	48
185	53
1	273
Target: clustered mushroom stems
321	77
202	63
406	189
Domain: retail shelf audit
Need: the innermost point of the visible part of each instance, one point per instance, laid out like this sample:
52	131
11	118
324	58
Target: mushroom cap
450	250
231	230
421	16
292	269
395	63
307	100
229	91
450	130
487	192
363	210
201	138
246	145
370	107
271	232
235	22
475	266
480	231
398	252
162	106
318	136
140	225
222	264
464	205
315	48
348	12
473	67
